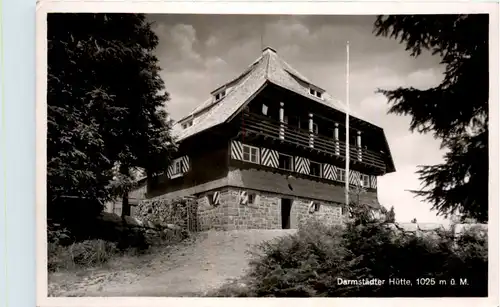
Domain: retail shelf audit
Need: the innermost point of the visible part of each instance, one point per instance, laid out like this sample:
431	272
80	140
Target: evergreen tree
455	111
106	105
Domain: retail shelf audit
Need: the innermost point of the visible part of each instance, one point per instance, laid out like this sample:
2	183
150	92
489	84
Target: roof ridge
266	72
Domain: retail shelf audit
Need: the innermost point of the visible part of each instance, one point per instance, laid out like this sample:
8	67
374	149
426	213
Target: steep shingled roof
269	67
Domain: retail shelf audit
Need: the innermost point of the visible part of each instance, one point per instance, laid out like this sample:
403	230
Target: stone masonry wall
190	214
263	213
328	213
210	217
164	212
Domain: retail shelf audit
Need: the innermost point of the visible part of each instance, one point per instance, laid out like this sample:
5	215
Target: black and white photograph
258	155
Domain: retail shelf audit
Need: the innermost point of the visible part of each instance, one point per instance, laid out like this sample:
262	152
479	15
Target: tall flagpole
261	33
347	150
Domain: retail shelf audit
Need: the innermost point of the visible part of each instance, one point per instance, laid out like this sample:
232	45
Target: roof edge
392	166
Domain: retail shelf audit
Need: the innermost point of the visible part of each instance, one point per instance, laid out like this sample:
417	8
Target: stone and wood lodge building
267	150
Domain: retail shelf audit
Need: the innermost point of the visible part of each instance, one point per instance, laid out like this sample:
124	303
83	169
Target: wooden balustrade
267	127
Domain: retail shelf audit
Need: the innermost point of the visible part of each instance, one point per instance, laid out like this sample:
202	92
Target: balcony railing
265	126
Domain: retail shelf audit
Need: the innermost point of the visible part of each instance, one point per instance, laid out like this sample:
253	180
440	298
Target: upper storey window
285	162
177	167
315	169
250	154
341	174
365	181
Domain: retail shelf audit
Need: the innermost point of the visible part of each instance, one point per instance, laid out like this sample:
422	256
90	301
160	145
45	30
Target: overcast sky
198	53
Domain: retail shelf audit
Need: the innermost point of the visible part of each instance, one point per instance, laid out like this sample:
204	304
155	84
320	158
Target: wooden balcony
260	125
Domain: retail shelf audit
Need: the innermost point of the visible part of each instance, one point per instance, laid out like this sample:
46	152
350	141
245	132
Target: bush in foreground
93	242
89	253
312	261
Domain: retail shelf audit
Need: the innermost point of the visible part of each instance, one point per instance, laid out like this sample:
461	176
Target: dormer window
315	92
219	95
187	124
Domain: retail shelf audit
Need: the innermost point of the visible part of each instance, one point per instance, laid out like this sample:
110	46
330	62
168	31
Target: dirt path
187	270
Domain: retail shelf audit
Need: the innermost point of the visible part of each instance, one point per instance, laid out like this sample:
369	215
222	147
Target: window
210	198
285	162
315	93
264	109
187	124
315	169
220	95
316	206
178	167
341	174
176	170
251	198
250	154
365	181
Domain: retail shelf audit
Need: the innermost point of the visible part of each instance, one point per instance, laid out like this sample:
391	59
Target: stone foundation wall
210	217
263	213
327	213
200	214
163	212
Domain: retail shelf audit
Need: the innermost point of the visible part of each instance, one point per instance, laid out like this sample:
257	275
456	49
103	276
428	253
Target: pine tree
106	105
455	111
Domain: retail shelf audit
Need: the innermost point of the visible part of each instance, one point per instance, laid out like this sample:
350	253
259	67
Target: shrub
303	264
58	235
92	242
88	253
310	262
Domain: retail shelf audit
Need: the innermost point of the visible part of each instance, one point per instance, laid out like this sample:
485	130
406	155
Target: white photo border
258	7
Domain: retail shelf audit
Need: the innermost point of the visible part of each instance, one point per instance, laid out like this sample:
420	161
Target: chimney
268	48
